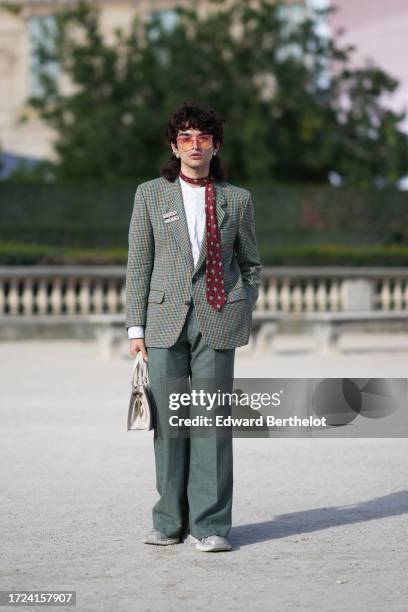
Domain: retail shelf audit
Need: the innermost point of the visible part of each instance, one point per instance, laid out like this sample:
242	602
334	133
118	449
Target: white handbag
140	403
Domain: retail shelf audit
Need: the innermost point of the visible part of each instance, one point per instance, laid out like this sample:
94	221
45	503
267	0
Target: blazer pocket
237	294
156	295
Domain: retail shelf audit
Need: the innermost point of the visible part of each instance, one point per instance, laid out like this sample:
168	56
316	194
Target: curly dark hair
199	117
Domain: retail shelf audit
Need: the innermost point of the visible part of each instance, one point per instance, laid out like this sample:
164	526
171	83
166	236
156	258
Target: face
194	148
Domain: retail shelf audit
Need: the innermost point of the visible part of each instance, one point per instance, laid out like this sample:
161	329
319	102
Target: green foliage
18	254
12	7
97	216
288	119
15	253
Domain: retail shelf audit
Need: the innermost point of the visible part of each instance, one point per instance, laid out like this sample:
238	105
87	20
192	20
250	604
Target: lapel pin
169	214
170	219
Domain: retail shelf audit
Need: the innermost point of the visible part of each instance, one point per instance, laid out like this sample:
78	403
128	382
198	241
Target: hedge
12	253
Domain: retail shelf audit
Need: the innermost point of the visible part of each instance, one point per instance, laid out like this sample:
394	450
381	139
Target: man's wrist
135	332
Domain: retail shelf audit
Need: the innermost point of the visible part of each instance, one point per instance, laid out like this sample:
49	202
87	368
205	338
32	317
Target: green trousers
194	475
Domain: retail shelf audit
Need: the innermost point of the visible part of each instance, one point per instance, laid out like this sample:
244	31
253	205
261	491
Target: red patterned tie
214	275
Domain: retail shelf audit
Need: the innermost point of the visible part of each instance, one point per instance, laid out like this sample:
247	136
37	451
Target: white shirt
194	206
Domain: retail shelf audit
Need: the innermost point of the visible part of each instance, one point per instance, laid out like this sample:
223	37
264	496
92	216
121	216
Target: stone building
23	135
378	29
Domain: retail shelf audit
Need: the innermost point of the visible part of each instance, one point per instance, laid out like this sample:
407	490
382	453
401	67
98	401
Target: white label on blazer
169	214
170	219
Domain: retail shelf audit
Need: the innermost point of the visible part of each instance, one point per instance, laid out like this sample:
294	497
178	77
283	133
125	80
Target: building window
41	30
161	21
165	20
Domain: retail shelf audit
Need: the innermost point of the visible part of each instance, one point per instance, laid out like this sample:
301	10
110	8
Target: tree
295	108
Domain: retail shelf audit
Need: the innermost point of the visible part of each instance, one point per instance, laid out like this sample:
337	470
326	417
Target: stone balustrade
84	290
83	302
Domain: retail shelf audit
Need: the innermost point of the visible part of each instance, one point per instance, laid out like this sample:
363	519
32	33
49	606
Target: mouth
196	155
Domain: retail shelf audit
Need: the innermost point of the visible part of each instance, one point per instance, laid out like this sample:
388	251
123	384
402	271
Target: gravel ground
317	523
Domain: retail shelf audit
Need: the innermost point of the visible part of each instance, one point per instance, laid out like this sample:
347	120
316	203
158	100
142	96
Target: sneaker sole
220	548
161	542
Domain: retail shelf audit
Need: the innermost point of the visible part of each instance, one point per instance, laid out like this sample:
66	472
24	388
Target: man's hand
136	345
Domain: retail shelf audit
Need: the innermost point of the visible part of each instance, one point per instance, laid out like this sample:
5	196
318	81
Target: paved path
318	524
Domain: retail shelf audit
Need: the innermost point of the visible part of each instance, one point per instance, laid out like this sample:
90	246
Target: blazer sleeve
139	263
247	251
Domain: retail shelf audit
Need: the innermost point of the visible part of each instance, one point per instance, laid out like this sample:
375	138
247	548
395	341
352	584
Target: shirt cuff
136	331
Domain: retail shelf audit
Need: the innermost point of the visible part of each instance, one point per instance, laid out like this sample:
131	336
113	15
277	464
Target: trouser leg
170	513
210	478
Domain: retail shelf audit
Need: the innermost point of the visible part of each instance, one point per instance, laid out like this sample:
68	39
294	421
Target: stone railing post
357	294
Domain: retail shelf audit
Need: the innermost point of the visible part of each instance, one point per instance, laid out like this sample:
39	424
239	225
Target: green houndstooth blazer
161	279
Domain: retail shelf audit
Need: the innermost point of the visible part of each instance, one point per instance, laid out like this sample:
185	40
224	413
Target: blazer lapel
180	227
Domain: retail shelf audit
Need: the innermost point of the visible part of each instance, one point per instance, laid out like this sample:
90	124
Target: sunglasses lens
206	142
187	142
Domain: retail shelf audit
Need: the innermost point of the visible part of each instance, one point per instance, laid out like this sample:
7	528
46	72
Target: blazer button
194	280
187	302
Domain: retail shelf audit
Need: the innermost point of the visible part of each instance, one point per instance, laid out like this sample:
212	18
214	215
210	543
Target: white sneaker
157	537
190	539
213	543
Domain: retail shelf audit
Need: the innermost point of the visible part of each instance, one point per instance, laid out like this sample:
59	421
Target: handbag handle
140	373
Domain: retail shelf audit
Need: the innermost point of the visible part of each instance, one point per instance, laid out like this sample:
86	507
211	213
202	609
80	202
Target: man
192	281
